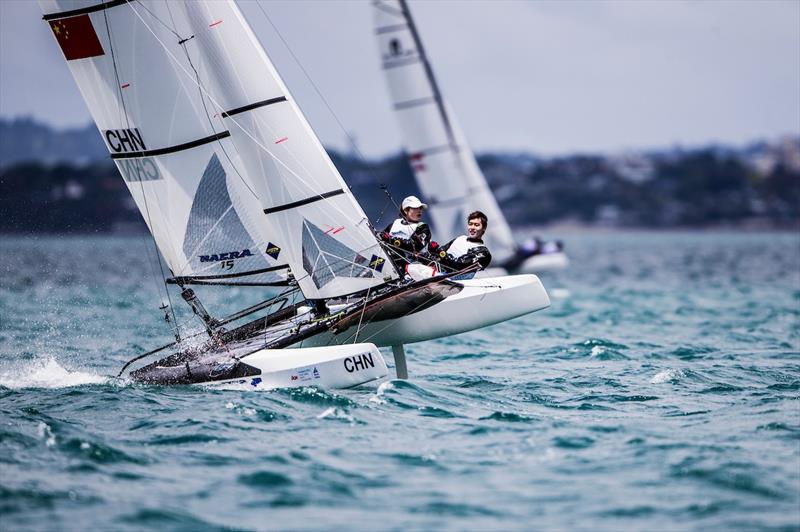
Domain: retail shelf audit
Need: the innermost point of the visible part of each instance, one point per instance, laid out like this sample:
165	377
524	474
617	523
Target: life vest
462	245
403	229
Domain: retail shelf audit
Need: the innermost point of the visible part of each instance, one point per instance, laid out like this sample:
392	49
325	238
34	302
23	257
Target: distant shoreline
546	231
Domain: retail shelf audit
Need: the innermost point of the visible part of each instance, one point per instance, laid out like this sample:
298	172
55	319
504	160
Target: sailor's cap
413	202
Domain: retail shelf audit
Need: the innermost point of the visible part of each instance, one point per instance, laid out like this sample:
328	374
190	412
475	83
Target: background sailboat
443	163
235	185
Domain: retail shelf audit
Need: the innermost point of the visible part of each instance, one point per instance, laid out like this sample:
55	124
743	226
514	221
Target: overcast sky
548	77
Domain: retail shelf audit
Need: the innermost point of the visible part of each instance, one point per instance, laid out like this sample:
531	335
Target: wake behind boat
237	190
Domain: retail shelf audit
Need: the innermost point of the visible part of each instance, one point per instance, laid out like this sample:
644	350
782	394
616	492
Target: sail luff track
437	95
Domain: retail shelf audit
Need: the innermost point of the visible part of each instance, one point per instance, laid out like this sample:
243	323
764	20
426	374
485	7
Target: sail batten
252	106
300	203
328	242
172	149
444	166
84	10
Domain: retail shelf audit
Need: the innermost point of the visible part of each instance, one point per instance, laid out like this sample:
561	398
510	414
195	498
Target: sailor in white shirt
466	252
407	235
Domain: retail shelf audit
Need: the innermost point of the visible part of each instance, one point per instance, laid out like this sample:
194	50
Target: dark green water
660	391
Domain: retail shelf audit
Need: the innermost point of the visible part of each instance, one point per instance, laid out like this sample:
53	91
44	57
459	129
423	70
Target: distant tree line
699	188
695	189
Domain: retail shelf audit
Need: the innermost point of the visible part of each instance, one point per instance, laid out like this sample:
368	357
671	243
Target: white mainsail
443	163
328	241
226	171
180	166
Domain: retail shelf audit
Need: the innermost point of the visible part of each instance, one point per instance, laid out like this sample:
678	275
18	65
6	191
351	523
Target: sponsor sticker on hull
306	374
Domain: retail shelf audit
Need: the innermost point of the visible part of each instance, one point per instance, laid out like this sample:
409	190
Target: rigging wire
242	128
349	137
389	199
182	42
361	317
175	329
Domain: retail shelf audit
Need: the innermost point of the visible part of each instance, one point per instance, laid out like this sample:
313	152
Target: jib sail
327	239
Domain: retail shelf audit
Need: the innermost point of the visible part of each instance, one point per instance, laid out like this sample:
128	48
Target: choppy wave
658	392
47	373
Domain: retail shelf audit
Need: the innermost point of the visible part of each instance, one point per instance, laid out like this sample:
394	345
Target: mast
444	166
437	95
233	183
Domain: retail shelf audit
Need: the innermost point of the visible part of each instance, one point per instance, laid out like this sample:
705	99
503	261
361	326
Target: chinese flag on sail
77	37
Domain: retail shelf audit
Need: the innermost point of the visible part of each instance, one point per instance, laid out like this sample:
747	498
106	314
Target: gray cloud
541	76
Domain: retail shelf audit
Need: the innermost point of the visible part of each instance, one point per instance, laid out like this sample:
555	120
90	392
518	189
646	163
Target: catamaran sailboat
236	189
443	163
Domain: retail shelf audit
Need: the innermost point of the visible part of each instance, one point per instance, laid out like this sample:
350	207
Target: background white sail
181	167
444	165
327	238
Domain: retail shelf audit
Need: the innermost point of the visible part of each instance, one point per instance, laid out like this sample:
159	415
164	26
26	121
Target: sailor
466	252
552	246
529	248
407	235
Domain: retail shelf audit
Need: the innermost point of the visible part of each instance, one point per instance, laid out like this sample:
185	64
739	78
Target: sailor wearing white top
466	252
407	235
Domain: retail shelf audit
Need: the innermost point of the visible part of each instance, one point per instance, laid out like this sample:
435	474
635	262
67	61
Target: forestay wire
204	91
233	120
259	144
349	137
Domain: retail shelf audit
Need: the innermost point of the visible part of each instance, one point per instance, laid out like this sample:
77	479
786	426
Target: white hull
491	272
533	265
481	303
342	366
544	263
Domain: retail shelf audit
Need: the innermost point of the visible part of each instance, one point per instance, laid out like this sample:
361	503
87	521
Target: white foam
48	374
560	293
378	397
668	375
46	433
336	413
386	385
597	350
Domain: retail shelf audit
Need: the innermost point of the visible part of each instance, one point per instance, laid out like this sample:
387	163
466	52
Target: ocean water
661	391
